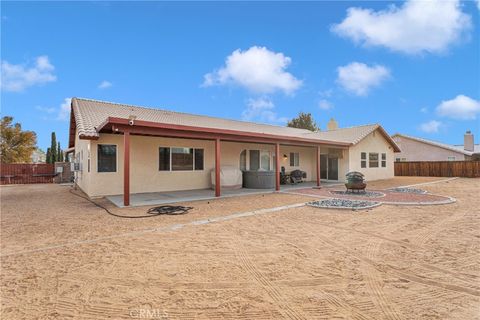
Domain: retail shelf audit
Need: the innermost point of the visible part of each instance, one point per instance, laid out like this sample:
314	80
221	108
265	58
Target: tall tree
303	121
49	156
16	145
53	148
59	153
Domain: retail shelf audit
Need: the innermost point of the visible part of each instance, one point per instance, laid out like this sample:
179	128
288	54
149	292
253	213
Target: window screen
373	160
198	159
384	160
164	159
182	159
254	160
107	158
294	159
363	160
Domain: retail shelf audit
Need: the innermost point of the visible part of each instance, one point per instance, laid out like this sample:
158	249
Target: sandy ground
64	258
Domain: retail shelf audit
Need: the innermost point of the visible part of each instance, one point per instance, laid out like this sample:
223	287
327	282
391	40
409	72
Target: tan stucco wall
144	173
307	160
414	150
82	178
374	142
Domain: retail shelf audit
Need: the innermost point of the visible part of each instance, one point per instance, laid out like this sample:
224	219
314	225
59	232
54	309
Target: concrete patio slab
160	198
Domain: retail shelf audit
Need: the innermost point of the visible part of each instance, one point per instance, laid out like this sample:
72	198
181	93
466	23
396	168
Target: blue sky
414	68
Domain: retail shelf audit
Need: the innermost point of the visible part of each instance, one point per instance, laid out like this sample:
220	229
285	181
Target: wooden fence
468	169
26	173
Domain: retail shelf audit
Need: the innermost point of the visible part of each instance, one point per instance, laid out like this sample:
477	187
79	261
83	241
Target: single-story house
122	149
419	149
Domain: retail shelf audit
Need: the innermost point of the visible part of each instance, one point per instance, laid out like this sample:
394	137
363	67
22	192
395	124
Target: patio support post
126	168
318	166
277	167
217	167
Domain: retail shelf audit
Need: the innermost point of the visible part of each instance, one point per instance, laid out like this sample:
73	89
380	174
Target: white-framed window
294	159
452	158
363	160
259	160
397	159
180	159
106	158
384	160
373	160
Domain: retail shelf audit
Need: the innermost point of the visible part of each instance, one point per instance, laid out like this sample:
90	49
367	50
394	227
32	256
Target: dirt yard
62	257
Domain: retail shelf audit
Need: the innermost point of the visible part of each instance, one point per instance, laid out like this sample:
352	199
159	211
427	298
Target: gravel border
323	204
366	194
407	190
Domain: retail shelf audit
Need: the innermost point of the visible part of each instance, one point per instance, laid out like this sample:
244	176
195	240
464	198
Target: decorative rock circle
408	190
365	194
344	204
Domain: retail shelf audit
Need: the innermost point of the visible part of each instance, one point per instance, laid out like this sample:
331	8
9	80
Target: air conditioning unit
76	166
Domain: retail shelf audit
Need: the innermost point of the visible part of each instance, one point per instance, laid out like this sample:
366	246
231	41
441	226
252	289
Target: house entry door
328	167
332	168
323	166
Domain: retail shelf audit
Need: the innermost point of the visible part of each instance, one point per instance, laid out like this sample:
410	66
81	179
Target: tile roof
351	135
90	114
450	147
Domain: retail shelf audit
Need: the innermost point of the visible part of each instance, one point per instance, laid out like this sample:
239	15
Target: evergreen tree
49	156
59	153
303	121
53	148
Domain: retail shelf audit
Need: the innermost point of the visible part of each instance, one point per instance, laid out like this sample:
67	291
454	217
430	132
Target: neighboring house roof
88	116
450	147
476	147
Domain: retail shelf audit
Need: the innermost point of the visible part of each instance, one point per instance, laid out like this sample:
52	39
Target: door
323	166
332	168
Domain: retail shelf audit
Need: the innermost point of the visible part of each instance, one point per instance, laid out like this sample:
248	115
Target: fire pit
355	182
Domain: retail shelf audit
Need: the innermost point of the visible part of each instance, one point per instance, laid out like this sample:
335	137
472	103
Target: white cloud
17	77
478	4
415	27
45	109
261	109
359	78
257	69
64	111
326	93
325	104
423	110
431	126
105	84
461	107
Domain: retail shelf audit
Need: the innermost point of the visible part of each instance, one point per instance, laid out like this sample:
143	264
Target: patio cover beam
277	166
126	168
217	168
164	129
144	131
318	165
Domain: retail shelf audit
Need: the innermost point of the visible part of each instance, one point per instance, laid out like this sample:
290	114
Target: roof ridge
190	114
434	142
353	127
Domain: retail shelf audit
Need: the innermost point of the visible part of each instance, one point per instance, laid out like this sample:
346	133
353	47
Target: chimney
468	141
332	125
